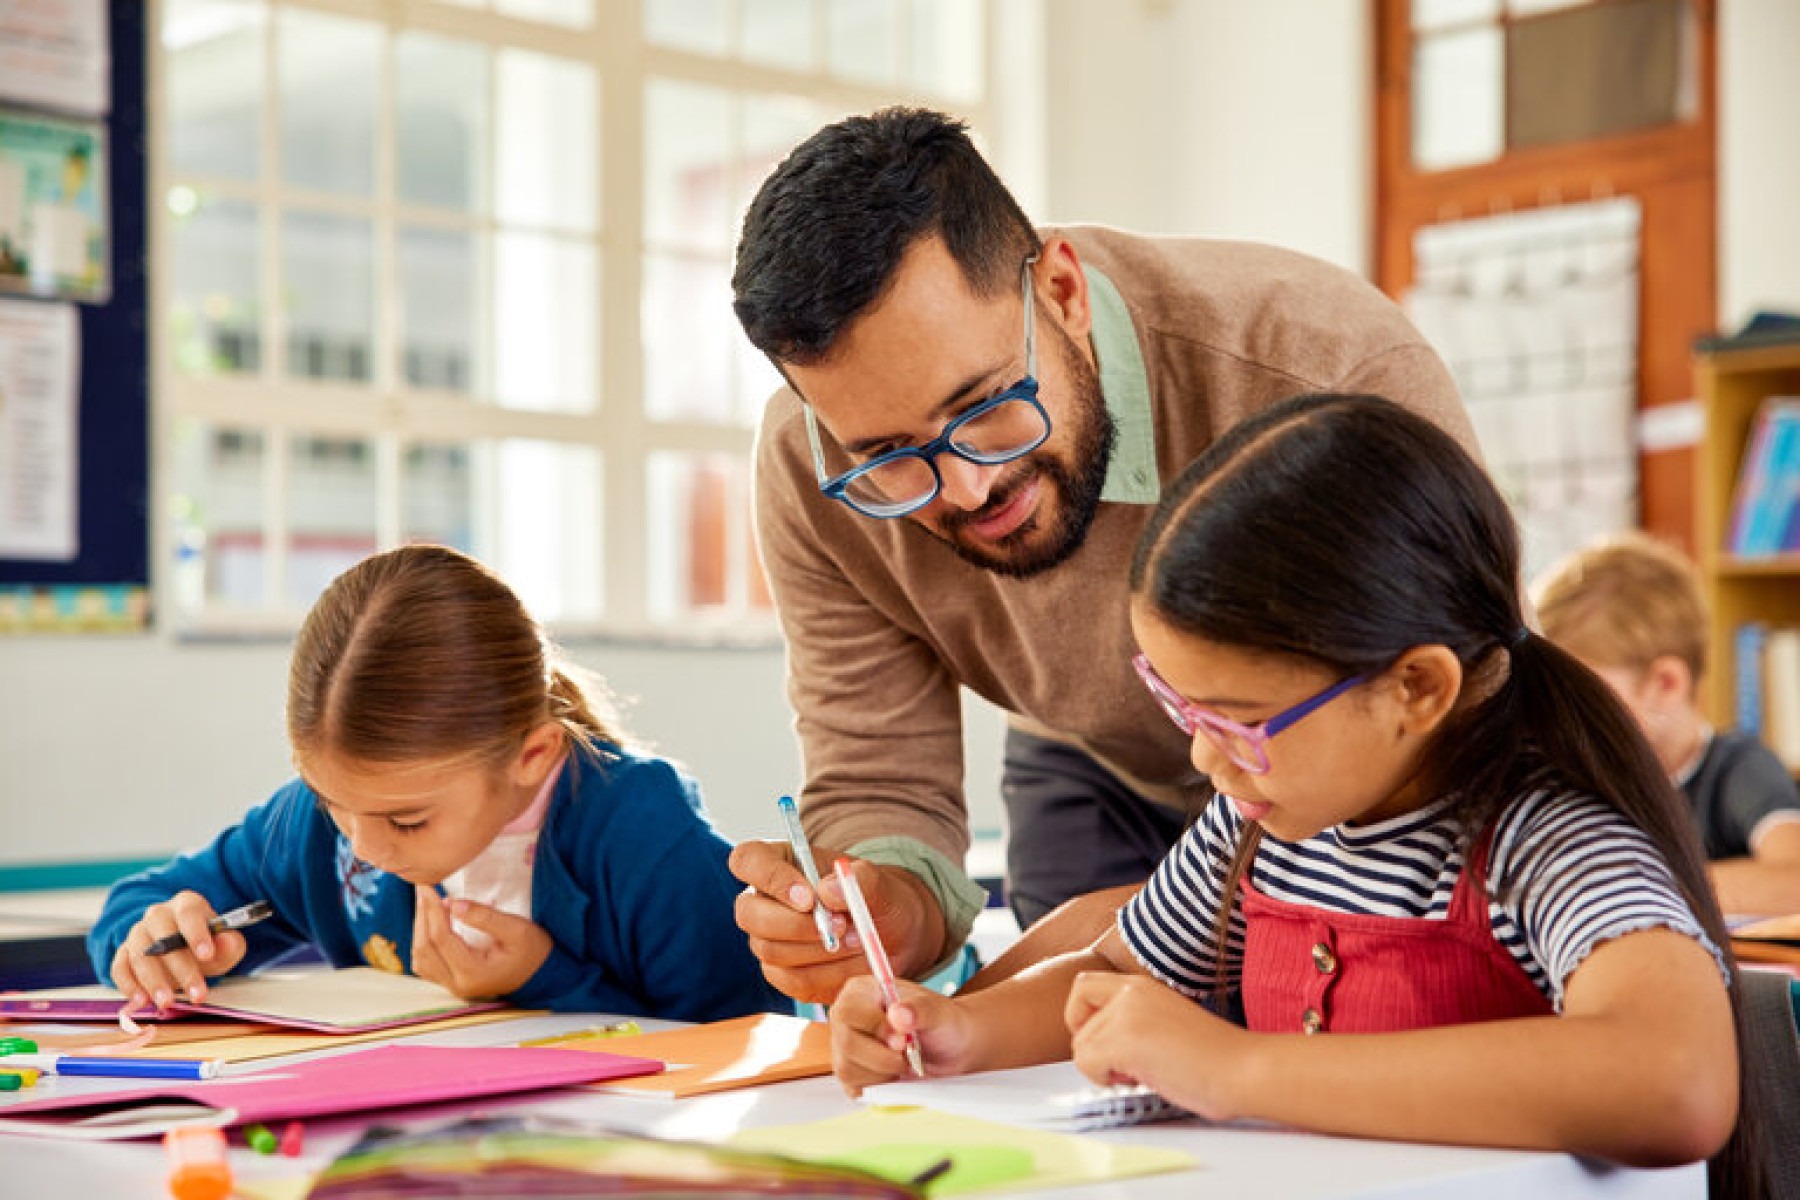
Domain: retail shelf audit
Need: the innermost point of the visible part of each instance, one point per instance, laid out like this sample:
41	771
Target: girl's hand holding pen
157	979
869	1038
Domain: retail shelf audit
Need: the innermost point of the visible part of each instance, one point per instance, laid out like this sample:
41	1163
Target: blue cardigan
629	879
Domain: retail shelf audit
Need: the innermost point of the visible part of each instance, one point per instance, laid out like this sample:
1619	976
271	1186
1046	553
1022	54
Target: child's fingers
860	1053
1091	992
192	911
229	949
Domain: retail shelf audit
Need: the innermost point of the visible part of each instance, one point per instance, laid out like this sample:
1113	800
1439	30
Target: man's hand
775	912
516	949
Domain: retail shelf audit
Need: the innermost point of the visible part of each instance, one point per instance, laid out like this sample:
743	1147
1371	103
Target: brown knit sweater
883	621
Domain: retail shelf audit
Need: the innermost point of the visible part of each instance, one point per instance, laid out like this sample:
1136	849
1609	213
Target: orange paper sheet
718	1056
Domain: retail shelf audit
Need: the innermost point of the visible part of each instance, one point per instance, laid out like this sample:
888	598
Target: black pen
935	1171
237	918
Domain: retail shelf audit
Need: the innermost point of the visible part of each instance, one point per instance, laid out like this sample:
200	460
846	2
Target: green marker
261	1139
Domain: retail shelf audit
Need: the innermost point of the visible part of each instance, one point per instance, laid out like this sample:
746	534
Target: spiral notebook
1052	1096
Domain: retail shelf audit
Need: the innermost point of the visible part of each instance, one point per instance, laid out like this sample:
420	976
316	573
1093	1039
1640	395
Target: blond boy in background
1630	607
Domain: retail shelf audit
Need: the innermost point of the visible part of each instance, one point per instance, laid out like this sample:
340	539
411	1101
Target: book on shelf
1781	695
1765	504
1747	659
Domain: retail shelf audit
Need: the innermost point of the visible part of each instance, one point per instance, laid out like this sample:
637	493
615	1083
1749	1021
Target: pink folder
357	1081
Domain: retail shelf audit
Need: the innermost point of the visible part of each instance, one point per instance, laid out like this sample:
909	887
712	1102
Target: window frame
389	412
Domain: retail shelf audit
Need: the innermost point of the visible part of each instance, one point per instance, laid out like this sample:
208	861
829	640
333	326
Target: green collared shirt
1131	478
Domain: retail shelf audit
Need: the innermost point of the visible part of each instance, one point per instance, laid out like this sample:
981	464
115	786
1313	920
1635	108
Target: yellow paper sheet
900	1142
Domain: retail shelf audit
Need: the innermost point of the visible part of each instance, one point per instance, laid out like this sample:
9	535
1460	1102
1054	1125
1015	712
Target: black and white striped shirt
1565	872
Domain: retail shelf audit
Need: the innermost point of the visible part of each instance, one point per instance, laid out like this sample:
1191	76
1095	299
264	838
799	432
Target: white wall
124	747
1759	158
1215	117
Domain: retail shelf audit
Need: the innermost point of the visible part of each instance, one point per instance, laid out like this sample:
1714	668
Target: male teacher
978	419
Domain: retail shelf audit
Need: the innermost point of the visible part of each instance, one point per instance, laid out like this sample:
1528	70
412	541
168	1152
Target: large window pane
548	543
698	26
688	187
330	511
1457	109
216	507
699	538
330	68
215	69
948	47
690	340
778	33
328	279
441	122
214	322
1439	14
1598	71
547	169
437	495
441	288
862	36
555	12
691	536
546	322
772	126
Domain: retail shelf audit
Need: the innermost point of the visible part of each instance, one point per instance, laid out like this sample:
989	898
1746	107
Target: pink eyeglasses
1245	745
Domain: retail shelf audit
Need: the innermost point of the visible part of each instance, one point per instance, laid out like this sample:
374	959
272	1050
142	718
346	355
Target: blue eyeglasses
997	430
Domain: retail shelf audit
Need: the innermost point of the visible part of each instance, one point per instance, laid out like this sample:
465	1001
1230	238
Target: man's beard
1077	486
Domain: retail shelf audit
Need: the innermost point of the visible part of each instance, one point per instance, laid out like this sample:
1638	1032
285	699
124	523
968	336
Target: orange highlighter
197	1166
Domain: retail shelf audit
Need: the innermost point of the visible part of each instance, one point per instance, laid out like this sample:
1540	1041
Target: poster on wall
55	53
53	207
40	369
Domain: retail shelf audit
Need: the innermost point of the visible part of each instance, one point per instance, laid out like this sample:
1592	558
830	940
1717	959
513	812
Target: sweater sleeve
262	857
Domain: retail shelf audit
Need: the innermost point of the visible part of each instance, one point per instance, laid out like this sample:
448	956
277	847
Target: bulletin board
104	586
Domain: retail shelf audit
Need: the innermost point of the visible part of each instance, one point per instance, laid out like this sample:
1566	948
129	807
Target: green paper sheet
899	1142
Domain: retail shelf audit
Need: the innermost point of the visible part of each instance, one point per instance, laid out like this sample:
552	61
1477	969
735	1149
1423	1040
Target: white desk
1266	1164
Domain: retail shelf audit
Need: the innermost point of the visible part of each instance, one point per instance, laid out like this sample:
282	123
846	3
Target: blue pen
116	1068
790	817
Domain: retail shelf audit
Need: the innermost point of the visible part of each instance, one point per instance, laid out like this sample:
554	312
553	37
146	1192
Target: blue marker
790	817
116	1068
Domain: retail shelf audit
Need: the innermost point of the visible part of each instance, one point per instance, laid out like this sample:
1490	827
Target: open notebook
350	999
1052	1096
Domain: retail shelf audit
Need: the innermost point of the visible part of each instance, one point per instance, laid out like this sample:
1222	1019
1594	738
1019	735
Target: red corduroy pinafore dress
1307	970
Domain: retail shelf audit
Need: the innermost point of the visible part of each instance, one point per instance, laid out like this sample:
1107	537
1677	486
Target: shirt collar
1131	476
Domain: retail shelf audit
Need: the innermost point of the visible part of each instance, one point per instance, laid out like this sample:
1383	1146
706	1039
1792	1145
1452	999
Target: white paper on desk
40	349
1051	1096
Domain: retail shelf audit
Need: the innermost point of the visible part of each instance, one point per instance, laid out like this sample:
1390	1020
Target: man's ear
1428	682
1061	284
1667	684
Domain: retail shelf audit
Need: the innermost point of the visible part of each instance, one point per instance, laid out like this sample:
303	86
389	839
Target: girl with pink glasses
1432	830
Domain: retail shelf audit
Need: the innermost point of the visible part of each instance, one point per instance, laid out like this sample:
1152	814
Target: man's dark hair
827	229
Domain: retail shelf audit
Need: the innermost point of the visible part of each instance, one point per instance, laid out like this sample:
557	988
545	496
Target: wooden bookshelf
1732	385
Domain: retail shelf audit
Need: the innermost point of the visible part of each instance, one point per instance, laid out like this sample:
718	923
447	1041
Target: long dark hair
1345	530
826	230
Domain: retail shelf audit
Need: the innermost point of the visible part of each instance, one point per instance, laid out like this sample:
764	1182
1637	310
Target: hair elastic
1518	637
